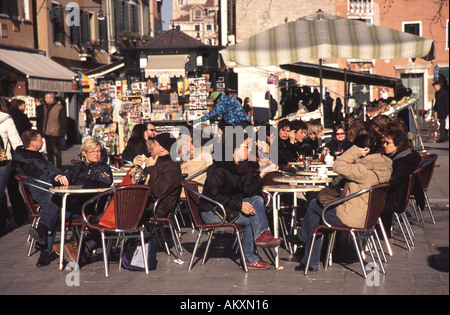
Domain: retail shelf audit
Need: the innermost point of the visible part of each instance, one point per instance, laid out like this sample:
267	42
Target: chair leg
397	218
418	213
207	246
359	253
372	242
378	242
429	207
241	249
176	241
105	255
409	229
195	248
80	246
328	259
310	253
386	239
144	251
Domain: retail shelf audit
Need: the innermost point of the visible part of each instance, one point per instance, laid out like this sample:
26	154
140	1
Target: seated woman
404	162
339	144
237	185
314	139
285	148
193	159
298	139
363	166
137	144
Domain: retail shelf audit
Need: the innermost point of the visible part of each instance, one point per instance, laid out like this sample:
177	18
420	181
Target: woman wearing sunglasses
339	144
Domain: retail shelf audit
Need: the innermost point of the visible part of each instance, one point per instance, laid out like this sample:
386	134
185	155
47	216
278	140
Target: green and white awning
322	35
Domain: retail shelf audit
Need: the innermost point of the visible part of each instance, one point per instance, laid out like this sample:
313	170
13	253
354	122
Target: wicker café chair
129	206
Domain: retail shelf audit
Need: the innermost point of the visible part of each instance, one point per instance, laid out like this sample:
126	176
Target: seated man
163	173
33	163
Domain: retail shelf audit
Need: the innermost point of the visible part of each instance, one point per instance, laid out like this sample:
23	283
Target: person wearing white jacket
9	140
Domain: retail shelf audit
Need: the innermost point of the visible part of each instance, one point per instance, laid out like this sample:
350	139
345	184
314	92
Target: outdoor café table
65	191
314	173
276	190
295	180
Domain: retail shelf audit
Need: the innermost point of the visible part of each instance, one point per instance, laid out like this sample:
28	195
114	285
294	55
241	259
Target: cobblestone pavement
423	271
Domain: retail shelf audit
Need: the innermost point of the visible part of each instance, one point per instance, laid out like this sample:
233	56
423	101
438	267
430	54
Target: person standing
230	109
54	128
441	107
17	113
9	140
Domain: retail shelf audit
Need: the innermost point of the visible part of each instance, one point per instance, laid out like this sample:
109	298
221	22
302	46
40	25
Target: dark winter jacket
165	177
404	164
225	185
441	105
21	120
131	151
338	146
92	175
35	164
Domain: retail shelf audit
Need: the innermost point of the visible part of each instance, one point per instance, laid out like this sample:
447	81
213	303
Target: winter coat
230	109
35	164
442	103
55	120
131	151
91	175
225	185
165	177
21	120
362	172
286	152
9	134
403	164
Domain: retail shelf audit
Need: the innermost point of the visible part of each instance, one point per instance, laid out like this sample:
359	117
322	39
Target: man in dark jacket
237	186
442	108
163	174
31	162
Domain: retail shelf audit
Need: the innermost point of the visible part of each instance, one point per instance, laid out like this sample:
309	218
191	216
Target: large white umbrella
322	35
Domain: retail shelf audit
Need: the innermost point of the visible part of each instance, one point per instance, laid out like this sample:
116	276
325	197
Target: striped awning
43	74
322	35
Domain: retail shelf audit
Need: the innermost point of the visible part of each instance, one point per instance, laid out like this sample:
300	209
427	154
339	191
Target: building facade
198	19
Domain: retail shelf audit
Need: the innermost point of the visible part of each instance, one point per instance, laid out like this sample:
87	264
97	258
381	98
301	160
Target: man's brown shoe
72	251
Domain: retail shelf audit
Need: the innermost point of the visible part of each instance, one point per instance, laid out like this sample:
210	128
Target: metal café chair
376	200
129	205
192	200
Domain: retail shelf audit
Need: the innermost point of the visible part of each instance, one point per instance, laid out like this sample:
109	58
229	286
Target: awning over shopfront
173	64
105	69
313	70
43	74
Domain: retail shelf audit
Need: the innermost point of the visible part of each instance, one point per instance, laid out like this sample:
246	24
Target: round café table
65	191
295	180
314	173
276	190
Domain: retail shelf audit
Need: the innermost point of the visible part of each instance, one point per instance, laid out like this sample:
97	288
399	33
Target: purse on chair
332	193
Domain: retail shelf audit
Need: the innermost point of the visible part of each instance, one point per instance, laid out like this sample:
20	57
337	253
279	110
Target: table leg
63	230
275	203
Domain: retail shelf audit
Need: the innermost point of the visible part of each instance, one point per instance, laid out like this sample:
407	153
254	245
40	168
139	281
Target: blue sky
166	13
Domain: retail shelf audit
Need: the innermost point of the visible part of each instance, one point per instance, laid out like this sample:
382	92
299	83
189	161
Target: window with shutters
57	20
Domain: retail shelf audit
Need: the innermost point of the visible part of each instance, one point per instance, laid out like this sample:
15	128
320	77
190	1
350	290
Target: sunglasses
387	142
340	134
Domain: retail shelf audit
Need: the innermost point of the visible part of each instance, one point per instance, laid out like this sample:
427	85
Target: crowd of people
365	153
